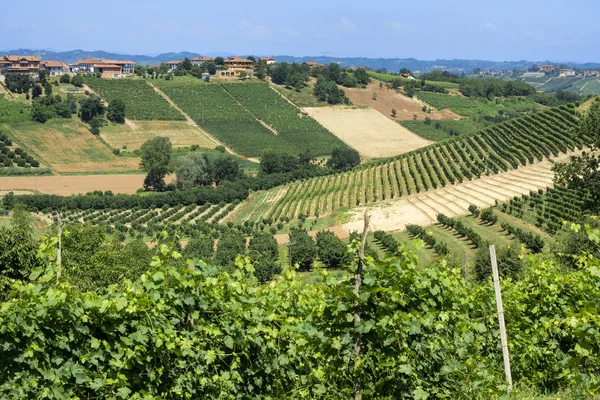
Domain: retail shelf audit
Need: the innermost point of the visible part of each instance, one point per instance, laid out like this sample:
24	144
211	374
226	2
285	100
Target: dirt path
454	200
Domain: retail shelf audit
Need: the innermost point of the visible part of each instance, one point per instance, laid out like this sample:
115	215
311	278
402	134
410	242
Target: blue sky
491	30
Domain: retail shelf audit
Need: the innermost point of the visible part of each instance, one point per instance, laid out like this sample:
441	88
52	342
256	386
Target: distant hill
391	64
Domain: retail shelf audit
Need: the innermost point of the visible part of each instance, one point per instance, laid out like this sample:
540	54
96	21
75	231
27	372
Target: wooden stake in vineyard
59	251
503	338
357	283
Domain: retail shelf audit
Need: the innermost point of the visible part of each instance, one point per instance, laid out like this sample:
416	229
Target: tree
91	107
186	64
331	250
156	157
36	92
303	250
201	247
192	170
260	70
230	245
219	61
116	111
140	70
210	67
394	112
582	172
264	254
48	89
18	254
163	68
65	78
95	124
225	168
40	112
343	158
77	81
361	76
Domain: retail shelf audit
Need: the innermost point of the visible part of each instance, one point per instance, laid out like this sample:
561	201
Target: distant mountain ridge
392	64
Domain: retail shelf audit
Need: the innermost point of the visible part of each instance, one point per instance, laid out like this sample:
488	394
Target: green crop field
301	132
12	111
390	78
442	129
211	107
499	148
141	101
556	84
476	107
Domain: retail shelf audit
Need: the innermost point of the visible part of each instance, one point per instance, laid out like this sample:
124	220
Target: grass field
134	135
13	111
68	146
302	98
442	129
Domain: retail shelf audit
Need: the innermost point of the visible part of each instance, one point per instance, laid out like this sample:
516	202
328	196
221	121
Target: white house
173	63
567	72
55	68
269	60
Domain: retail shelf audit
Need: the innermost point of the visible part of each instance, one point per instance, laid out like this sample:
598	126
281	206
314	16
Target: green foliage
116	111
264	255
200	247
12	111
302	248
343	158
156	158
66	78
77	81
331	250
230	245
140	100
507	257
181	332
90	107
192	169
328	91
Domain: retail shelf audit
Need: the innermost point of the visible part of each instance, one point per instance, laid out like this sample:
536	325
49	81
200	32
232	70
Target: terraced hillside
141	101
503	147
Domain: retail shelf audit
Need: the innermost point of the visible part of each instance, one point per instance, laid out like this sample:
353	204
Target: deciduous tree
156	158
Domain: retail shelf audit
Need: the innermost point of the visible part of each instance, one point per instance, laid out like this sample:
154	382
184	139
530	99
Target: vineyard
12	111
298	130
141	101
390	78
547	209
140	222
215	111
502	147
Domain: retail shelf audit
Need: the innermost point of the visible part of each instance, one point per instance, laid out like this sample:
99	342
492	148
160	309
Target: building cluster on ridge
232	66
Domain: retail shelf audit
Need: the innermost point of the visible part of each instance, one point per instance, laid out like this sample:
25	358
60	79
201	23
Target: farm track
454	200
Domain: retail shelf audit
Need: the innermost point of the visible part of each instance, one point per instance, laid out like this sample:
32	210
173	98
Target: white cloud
346	25
290	32
489	26
399	26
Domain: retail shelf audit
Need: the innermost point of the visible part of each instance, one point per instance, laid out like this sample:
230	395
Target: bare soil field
388	99
69	147
454	200
68	185
367	130
133	136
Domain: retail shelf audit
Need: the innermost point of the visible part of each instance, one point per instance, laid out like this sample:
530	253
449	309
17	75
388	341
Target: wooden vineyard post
59	251
357	283
466	267
503	338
